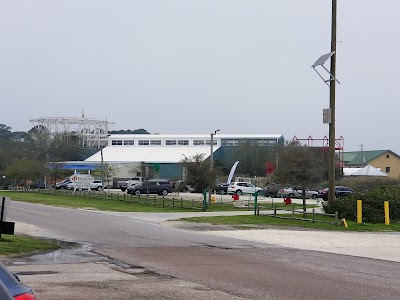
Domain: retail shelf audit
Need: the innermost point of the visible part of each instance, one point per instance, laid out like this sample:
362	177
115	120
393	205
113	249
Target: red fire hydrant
235	197
287	201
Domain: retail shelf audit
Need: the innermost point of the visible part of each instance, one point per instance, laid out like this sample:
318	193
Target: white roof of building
149	154
193	136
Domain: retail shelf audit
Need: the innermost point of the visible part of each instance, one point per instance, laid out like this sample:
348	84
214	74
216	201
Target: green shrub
372	204
365	183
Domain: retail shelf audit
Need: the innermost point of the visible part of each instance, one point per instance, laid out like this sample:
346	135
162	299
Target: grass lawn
252	221
10	244
119	203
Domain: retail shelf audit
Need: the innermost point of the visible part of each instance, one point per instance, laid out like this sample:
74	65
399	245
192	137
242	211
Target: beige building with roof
385	160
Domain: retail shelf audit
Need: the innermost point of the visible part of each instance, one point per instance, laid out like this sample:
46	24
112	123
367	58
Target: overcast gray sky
193	66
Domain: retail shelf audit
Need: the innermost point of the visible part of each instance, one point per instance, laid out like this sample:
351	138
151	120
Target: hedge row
372	204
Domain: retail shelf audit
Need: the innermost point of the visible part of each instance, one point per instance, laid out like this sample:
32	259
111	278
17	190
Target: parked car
11	281
221	188
151	186
243	188
297	193
62	184
288	192
4	292
340	191
270	190
96	185
124	184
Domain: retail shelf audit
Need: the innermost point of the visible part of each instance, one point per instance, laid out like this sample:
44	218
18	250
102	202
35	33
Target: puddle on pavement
69	252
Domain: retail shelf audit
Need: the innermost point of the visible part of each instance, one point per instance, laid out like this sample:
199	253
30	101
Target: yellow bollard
359	211
386	207
213	198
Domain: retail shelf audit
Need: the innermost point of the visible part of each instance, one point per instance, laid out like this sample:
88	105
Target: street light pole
332	95
211	162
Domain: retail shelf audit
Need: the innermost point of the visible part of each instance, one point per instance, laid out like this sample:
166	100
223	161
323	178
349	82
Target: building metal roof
355	158
149	154
193	136
165	154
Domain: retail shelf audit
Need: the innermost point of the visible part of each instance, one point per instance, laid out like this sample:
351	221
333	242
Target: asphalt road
180	264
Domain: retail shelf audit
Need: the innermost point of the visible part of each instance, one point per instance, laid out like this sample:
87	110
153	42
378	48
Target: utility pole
332	95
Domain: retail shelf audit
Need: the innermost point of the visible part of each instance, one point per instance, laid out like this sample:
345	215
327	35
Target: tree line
23	155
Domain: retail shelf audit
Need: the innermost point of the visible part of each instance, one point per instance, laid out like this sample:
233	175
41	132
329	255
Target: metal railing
144	199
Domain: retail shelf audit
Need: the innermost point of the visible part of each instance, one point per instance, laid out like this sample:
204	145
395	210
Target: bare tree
197	172
301	166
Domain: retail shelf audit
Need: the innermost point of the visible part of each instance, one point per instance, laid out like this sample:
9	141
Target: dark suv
151	186
340	191
63	184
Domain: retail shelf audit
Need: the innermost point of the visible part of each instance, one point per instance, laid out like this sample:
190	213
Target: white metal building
125	150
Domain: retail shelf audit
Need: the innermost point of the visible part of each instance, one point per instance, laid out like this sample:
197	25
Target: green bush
372	205
364	183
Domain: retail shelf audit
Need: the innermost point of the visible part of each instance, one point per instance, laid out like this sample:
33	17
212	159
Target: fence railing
144	199
301	215
246	202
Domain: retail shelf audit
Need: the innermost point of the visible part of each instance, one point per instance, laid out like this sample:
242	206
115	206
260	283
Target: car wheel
314	196
239	192
291	195
137	192
123	189
164	192
99	188
222	192
62	188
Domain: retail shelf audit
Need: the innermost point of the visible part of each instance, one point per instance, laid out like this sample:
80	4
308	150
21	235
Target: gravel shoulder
377	245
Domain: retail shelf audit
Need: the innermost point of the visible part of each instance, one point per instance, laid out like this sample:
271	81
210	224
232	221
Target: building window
198	142
183	142
230	143
129	142
208	142
155	142
116	142
387	169
144	142
387	155
170	142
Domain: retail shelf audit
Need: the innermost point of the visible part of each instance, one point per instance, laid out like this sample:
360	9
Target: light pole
211	162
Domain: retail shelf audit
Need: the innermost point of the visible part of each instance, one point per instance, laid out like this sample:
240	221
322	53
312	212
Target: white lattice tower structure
92	133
